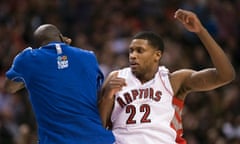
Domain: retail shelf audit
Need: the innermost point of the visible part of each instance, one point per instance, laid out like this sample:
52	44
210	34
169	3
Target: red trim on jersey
178	105
180	139
178	109
169	91
176	124
178	117
178	102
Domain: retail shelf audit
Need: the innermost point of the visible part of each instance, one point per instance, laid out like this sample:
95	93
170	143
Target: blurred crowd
105	27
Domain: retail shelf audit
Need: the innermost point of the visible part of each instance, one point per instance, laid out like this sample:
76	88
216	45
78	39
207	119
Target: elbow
230	76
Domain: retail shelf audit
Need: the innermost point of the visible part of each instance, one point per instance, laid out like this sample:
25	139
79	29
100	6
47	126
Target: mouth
134	64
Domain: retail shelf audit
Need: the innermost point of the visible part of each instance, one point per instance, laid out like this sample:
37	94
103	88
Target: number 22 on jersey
132	110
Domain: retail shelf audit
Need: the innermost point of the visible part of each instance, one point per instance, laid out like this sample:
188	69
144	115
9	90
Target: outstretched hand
189	20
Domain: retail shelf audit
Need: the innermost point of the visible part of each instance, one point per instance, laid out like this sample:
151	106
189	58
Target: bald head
45	34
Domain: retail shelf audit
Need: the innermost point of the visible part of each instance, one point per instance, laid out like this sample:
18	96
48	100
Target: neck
147	76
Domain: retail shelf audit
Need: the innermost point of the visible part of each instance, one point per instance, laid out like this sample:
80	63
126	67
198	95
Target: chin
134	71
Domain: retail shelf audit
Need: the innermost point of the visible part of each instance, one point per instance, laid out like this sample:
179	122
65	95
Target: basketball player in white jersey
143	103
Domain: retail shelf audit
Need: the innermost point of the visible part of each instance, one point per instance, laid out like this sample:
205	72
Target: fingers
117	82
183	15
189	20
114	75
115	79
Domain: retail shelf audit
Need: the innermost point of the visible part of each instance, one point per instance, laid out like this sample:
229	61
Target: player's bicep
202	80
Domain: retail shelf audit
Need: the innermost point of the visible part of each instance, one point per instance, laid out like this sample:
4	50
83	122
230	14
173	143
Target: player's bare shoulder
178	79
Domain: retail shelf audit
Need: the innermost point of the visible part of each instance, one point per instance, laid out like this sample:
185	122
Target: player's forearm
12	87
219	59
105	106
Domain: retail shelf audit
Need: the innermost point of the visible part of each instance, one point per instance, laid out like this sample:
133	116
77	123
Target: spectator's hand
189	20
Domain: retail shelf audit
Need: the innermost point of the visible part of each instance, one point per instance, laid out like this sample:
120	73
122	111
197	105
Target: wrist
201	31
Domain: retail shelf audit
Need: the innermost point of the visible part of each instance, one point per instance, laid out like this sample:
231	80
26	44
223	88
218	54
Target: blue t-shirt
63	82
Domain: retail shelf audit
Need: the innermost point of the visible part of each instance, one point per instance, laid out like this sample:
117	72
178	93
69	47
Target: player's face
143	58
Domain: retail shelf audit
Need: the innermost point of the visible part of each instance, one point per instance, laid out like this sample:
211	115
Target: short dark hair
46	33
154	39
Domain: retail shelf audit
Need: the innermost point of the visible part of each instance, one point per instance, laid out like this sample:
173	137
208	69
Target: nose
132	55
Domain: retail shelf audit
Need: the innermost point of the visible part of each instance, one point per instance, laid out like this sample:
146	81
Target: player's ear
61	37
65	39
158	55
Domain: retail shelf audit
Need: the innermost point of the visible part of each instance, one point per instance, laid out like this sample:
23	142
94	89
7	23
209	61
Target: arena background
105	27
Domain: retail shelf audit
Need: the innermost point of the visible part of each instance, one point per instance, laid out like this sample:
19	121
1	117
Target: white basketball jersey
143	113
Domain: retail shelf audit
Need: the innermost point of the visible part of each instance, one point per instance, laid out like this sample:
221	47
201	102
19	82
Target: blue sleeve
16	71
100	76
100	79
